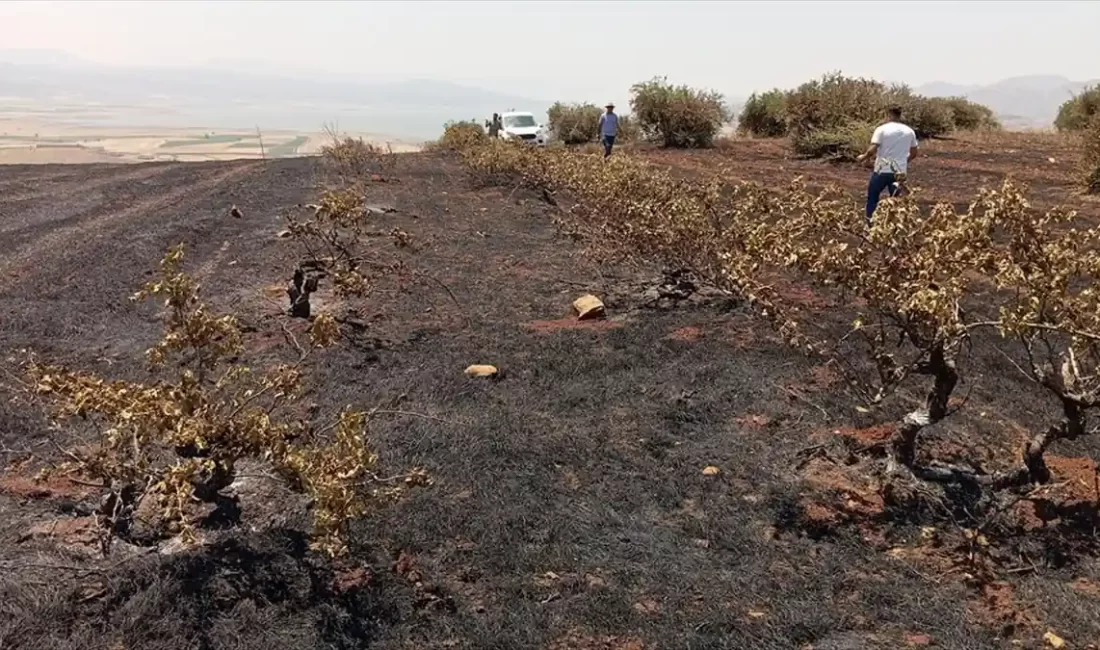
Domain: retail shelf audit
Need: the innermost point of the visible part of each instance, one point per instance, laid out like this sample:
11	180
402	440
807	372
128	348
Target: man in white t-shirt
893	145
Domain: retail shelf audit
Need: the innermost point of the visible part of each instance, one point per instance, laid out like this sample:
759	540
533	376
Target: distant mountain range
222	97
1019	102
188	84
236	94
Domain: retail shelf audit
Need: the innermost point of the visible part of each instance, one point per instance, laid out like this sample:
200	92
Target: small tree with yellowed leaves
340	243
178	439
910	275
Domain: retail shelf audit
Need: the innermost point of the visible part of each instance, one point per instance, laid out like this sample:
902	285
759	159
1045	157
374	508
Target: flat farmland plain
25	141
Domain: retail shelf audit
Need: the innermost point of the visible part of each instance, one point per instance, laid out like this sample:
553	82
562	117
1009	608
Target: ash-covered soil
570	507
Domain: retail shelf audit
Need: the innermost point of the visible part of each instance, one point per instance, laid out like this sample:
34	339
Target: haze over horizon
580	49
574	51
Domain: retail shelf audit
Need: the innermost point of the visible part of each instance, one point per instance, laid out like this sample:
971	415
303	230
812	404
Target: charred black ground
570	508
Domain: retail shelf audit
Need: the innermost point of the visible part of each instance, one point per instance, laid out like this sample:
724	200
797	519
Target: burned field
673	476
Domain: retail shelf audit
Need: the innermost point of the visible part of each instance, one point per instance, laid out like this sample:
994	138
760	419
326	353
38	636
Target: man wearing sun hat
609	126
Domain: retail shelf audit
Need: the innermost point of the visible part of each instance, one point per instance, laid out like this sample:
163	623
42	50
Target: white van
523	126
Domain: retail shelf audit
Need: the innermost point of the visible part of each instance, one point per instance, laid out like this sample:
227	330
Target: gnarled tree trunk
1071	425
903	443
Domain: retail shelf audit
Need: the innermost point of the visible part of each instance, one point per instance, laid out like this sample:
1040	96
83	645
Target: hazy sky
582	50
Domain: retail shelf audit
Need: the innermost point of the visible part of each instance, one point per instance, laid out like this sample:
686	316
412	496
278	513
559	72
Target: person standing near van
893	145
609	127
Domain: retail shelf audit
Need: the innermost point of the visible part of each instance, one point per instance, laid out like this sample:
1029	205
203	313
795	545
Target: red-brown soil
50	487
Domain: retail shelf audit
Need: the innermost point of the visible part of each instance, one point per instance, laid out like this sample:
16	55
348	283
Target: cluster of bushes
673	116
844	141
833	116
580	124
575	123
458	135
969	116
1077	112
1081	115
764	114
677	116
1090	158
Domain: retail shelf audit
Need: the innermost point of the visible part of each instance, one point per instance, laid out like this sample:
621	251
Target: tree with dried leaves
339	243
909	276
177	439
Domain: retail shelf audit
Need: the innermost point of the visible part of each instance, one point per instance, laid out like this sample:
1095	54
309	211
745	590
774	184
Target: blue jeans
608	142
879	181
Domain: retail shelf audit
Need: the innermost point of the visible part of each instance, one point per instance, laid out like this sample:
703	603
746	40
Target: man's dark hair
894	111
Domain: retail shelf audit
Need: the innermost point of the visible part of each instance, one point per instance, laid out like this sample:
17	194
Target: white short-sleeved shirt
894	140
